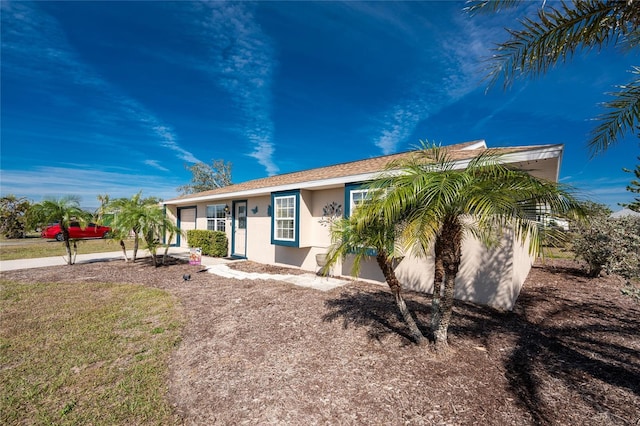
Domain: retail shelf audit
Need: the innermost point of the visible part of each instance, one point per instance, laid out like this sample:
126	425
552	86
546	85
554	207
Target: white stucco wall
259	246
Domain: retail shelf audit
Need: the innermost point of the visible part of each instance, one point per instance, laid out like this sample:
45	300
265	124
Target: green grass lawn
86	353
29	248
557	253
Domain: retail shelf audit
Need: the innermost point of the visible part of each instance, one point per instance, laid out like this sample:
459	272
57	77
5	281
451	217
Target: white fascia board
322	183
479	144
542	153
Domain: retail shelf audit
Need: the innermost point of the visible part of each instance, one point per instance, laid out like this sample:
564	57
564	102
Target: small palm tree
440	205
154	225
128	218
63	211
364	237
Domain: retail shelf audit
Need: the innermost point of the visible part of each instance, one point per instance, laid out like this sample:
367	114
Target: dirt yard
267	352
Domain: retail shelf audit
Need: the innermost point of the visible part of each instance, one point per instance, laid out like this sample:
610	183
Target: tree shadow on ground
375	310
576	348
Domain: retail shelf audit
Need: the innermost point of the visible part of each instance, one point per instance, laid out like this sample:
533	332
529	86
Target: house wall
259	246
522	263
488	276
314	232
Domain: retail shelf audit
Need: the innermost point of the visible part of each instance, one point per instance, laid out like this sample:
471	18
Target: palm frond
623	116
476	6
558	33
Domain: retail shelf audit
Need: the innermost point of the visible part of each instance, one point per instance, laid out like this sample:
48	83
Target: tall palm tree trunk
136	241
124	250
67	243
451	256
166	248
396	289
75	251
440	333
438	275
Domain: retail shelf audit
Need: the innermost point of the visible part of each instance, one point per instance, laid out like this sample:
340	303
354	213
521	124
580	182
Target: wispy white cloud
606	190
242	63
84	181
155	164
454	75
398	125
457	69
34	45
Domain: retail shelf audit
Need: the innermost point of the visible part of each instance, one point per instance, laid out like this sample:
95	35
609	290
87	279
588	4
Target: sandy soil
267	352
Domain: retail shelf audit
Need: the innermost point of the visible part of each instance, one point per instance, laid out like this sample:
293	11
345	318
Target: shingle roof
457	152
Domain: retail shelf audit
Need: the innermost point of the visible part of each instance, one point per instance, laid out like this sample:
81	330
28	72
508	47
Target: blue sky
116	97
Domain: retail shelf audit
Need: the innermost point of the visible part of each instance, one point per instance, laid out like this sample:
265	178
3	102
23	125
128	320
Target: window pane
216	217
242	216
285	229
358	197
284	217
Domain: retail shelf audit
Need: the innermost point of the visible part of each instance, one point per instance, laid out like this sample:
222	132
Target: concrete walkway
214	265
43	262
303	280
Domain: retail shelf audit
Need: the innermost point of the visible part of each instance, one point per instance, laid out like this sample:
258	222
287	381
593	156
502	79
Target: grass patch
86	353
30	248
557	253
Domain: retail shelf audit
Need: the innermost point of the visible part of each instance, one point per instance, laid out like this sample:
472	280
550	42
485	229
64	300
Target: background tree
441	205
363	237
206	177
62	211
556	34
13	216
634	187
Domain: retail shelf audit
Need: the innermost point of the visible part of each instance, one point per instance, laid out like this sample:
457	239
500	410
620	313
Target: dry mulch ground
267	352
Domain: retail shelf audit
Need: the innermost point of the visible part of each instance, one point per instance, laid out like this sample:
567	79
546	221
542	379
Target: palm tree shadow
573	355
375	310
567	347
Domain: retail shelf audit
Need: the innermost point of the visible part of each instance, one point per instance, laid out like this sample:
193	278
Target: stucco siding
522	263
490	276
259	248
170	211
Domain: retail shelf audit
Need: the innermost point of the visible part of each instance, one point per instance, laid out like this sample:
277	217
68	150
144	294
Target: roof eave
536	153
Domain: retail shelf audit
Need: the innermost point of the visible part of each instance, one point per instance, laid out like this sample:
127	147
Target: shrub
13	216
610	245
212	243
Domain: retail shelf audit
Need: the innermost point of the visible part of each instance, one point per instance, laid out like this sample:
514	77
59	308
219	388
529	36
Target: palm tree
440	205
363	237
63	211
154	224
129	217
556	35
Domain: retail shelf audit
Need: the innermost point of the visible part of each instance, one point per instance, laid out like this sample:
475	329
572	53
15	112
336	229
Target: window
355	195
284	223
358	197
242	215
285	218
216	217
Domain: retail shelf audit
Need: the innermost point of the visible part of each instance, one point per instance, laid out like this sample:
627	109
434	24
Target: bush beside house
212	243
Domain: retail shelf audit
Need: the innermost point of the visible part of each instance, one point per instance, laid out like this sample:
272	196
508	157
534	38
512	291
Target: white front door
239	229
